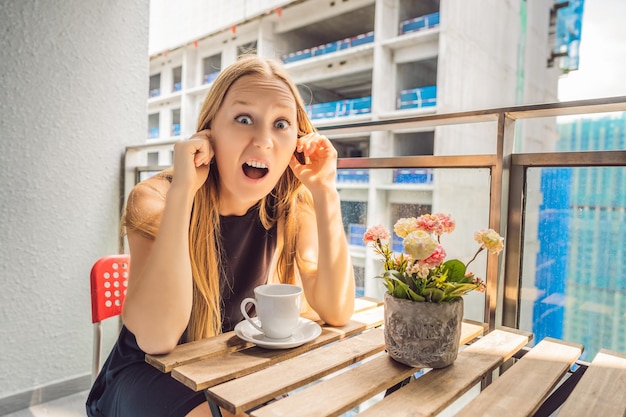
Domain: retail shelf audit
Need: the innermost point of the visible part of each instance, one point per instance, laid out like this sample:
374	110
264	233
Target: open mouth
255	169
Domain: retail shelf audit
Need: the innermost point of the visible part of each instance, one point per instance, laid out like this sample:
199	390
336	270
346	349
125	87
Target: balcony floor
70	406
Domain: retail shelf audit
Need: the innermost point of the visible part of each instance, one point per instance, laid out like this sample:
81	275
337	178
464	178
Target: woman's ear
300	157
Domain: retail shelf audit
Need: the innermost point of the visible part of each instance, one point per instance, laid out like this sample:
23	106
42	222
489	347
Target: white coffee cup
277	308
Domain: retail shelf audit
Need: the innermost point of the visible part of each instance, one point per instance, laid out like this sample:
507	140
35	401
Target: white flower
405	226
419	244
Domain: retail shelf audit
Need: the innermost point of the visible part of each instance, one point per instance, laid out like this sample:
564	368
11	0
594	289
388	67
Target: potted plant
423	302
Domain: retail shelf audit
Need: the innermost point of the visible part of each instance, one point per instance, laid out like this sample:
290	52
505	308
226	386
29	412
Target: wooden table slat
371	317
523	388
470	331
365	303
215	370
226	343
271	382
201	349
348	389
339	394
602	389
433	392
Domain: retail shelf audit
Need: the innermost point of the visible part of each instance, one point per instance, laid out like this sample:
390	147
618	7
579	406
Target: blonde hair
287	197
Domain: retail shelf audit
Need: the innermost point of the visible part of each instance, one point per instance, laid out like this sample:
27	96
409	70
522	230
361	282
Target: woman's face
254	135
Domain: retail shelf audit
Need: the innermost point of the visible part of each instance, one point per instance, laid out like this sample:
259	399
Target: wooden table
346	366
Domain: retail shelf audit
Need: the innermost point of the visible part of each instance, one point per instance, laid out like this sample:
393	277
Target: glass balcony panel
462	193
355	234
574	273
592	132
413	176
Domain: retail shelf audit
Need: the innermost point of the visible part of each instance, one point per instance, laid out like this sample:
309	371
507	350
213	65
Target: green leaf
400	292
400	276
455	270
415	296
433	294
396	286
458	290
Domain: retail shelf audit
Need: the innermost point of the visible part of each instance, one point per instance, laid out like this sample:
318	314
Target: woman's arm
325	268
159	296
158	300
327	273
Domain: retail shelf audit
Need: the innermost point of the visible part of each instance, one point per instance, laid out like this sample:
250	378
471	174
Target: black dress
127	386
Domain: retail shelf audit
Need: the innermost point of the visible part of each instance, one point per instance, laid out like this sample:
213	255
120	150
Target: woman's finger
202	150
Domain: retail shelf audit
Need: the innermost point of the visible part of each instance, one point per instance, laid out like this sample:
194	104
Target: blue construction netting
417	97
420	23
330	47
340	108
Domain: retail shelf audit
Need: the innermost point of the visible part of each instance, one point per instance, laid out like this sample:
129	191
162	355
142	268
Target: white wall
175	23
73	89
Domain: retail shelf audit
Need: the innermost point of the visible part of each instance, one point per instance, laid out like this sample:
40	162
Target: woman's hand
320	171
192	159
324	260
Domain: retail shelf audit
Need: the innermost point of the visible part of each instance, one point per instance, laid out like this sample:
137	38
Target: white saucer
305	331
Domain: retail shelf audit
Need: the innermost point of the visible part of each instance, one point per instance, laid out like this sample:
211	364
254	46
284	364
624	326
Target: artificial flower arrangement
421	273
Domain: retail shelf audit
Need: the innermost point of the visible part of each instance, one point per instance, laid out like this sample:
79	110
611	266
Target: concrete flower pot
423	334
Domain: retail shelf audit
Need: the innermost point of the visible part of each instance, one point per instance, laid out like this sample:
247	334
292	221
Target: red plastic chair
109	280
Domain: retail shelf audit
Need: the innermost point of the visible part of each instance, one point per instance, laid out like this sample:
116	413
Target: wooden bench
601	390
521	390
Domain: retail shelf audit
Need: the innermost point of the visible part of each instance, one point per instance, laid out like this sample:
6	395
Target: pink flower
489	239
419	268
376	233
436	224
446	222
436	258
481	285
428	223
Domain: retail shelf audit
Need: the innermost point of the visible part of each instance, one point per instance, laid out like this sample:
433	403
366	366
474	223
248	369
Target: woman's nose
263	138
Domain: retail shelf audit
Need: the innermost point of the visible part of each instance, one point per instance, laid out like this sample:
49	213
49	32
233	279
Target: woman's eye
246	120
282	124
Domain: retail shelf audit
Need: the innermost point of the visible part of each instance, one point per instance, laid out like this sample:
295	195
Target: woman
237	210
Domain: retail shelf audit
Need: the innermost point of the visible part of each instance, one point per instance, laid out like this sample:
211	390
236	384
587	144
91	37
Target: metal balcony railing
508	174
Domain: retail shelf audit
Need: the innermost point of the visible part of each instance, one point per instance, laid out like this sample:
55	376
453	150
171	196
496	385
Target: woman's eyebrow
284	105
242	102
